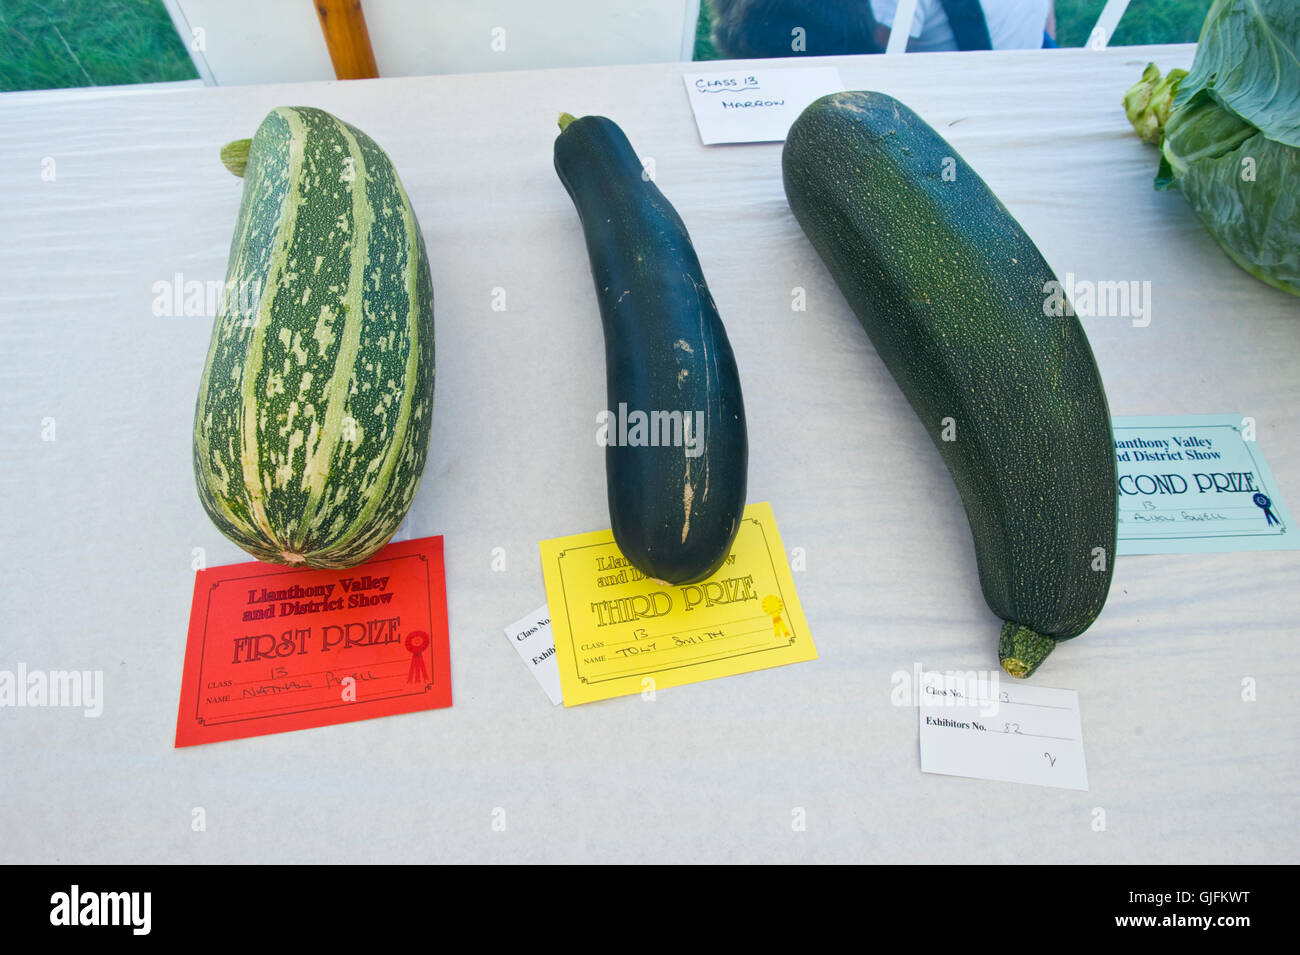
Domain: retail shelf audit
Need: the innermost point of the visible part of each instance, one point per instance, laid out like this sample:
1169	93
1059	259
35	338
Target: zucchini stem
234	156
565	120
1021	650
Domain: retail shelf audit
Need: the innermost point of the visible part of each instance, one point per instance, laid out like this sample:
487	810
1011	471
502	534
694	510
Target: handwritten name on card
1196	484
984	727
618	632
273	648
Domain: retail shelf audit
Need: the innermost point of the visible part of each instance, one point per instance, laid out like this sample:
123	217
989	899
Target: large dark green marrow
951	292
674	514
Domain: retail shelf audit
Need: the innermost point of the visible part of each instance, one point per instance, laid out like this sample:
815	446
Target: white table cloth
100	525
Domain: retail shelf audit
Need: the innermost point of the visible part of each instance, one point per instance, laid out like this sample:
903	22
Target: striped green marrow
676	496
952	294
312	421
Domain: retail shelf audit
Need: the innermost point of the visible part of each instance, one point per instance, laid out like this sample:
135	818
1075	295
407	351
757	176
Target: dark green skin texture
950	290
673	516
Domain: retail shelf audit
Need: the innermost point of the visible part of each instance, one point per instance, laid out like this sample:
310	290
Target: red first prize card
273	648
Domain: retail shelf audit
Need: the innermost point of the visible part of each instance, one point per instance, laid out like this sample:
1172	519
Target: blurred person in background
974	24
745	29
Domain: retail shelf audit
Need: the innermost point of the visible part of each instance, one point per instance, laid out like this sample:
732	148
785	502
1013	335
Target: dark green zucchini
952	294
674	505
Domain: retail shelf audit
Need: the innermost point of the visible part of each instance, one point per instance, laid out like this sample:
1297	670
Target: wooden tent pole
344	24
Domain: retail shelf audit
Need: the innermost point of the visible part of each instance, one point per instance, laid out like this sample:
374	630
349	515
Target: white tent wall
235	42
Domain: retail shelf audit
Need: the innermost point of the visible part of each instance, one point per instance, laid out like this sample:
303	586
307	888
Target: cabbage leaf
1231	141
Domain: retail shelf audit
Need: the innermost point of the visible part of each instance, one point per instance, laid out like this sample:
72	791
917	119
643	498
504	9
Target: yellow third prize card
616	630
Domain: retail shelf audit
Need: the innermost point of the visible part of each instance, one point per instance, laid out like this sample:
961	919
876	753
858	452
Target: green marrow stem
565	120
1021	650
234	156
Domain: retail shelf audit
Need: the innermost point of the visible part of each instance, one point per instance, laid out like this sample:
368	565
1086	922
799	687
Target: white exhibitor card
1002	729
531	637
755	106
1196	484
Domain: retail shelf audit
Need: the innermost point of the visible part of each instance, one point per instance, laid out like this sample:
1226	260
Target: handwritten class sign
273	649
617	632
755	106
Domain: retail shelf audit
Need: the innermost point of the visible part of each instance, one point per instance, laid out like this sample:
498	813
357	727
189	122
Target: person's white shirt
1013	24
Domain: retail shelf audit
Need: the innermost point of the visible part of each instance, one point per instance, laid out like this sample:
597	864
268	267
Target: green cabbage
1231	141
